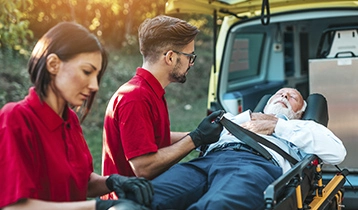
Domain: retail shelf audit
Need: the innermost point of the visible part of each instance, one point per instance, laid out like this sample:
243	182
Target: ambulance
262	46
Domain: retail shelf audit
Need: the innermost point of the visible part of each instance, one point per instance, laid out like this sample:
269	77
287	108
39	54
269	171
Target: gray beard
278	109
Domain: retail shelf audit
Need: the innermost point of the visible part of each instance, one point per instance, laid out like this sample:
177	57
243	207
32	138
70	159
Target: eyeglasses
191	57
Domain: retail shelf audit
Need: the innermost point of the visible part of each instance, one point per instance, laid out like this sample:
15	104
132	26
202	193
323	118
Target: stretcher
302	187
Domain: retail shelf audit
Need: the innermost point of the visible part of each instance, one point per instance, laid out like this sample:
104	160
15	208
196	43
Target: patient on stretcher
231	175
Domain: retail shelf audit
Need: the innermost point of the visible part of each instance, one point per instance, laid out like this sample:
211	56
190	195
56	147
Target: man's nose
284	95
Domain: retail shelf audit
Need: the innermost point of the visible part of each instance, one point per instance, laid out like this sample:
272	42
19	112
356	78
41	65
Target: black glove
121	204
208	130
137	189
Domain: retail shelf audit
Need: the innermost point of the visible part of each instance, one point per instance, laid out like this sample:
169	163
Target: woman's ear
53	63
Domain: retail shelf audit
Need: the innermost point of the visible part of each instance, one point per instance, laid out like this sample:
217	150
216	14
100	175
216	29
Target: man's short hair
162	33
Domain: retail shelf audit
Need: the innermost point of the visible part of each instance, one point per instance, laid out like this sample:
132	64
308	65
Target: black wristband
109	183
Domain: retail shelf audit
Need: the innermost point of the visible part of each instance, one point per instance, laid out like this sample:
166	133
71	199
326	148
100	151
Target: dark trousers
220	180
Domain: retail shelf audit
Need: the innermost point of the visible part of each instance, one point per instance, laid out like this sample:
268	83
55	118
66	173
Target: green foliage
115	21
14	79
14	27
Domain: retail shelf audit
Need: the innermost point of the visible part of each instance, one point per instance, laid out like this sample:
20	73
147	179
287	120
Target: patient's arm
312	138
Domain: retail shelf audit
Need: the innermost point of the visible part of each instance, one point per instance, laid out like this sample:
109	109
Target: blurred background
115	22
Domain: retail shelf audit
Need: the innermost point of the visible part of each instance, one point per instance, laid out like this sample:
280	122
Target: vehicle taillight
239	105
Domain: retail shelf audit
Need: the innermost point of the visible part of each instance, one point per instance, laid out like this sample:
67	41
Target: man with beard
137	140
231	175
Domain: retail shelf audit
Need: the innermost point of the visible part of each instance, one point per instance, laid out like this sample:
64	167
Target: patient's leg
180	186
237	180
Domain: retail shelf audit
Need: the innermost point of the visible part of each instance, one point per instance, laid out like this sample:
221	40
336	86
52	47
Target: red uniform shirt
42	156
136	123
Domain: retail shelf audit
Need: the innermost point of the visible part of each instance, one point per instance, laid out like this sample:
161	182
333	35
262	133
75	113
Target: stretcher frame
302	188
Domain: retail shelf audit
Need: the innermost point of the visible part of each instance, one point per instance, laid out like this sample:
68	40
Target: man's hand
208	130
123	186
261	123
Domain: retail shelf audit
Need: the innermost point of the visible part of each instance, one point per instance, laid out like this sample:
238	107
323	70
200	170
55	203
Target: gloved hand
125	186
208	130
120	204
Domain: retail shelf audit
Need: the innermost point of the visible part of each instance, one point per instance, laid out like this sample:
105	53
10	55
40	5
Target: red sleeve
136	123
17	159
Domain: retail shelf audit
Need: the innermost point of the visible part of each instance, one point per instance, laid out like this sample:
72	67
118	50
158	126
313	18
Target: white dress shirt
296	137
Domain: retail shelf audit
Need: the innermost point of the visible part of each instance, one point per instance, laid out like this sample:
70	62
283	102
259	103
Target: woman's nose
93	85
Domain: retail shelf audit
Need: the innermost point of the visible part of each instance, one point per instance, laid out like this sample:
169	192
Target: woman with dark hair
45	162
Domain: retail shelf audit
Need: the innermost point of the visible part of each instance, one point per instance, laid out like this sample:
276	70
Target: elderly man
227	178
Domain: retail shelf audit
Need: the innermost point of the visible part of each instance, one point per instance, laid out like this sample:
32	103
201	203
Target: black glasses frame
191	56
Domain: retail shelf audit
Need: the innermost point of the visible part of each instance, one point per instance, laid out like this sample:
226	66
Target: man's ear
53	63
169	57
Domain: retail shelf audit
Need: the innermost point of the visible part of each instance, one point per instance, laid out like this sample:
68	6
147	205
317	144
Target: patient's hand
261	124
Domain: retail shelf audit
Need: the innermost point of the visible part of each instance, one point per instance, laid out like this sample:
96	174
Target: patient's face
286	101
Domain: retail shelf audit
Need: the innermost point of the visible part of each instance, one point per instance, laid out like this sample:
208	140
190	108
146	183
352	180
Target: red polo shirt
136	123
42	156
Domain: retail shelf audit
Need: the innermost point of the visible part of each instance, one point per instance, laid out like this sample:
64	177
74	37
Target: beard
277	108
176	76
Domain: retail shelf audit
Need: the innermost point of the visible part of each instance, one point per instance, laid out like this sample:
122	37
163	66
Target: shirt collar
152	81
44	112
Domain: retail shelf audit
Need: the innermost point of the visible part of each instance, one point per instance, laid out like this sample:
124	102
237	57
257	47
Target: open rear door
247	8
